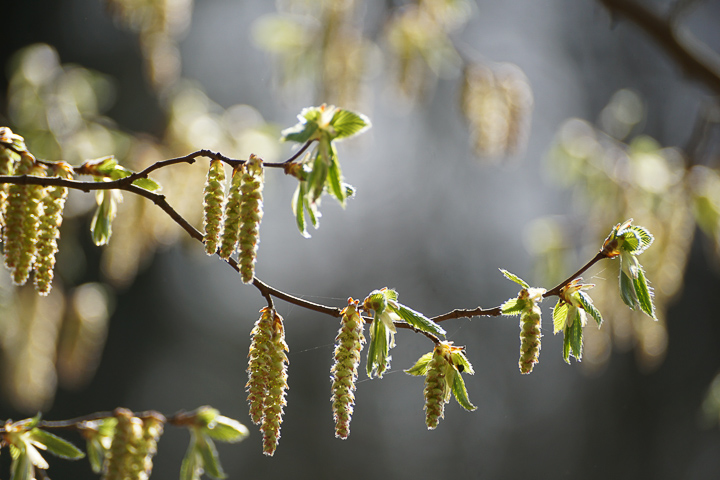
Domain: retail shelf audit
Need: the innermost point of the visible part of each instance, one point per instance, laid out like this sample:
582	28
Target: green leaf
566	347
377	349
21	467
95	453
298	203
334	178
513	306
627	291
347	123
588	306
191	468
644	236
460	393
559	316
631	241
514	278
56	445
416	319
211	462
462	363
644	294
302	131
226	429
147	184
101	224
318	176
103	166
421	366
390	294
575	332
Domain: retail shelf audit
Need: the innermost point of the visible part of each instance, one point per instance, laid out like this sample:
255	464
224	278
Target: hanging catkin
49	229
231	227
251	213
213	198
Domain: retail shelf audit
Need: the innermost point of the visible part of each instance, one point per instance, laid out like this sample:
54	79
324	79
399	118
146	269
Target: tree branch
683	48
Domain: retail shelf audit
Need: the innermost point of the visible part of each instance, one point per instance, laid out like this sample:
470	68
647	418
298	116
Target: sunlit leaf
515	278
462	363
226	429
588	306
421	366
644	294
416	319
334	179
191	466
347	123
378	349
559	316
513	306
460	393
21	467
645	237
211	462
298	203
627	291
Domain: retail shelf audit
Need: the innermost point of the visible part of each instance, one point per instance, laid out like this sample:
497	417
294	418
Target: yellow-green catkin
530	333
7	163
276	388
348	345
152	430
122	461
32	211
251	214
437	388
213	199
231	227
53	204
15	214
259	363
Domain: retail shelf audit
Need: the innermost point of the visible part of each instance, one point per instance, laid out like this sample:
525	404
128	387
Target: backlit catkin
213	199
259	364
231	227
251	213
349	343
15	214
276	388
123	460
530	329
32	211
49	230
437	389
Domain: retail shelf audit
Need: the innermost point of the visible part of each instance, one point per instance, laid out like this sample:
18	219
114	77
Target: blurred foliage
615	175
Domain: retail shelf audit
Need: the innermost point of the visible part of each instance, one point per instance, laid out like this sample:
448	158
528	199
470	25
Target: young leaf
147	184
566	347
101	224
460	393
226	429
377	349
302	131
575	332
513	306
208	453
95	453
588	306
335	178
416	319
318	176
559	316
627	291
644	236
21	467
56	445
348	124
644	294
514	278
191	466
421	366
461	362
298	203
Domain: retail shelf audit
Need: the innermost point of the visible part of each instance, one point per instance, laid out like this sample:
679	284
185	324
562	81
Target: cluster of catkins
30	215
233	223
267	376
133	446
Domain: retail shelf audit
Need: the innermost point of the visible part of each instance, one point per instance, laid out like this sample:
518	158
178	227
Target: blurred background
505	135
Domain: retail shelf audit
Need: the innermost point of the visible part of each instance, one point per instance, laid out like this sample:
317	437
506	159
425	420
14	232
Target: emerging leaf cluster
319	170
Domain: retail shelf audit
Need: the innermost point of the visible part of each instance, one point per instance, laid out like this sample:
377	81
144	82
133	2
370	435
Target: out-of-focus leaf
207	451
575	333
377	349
21	467
298	209
191	466
334	178
226	429
147	184
56	445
